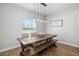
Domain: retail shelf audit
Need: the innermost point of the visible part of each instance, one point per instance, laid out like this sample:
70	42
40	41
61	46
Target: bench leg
54	44
21	54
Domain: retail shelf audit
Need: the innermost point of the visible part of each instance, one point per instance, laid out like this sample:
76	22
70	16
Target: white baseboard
69	44
6	49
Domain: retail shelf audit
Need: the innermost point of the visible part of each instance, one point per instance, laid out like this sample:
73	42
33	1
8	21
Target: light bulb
40	20
34	19
45	21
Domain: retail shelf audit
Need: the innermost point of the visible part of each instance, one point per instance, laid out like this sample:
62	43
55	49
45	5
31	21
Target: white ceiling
56	7
51	7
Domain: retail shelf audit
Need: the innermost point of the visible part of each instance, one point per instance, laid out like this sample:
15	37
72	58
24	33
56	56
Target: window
28	25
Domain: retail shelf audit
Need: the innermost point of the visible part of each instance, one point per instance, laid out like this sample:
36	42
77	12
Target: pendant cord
34	9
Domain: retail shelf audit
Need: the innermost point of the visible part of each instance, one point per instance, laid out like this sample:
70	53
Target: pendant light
44	11
38	19
34	18
40	8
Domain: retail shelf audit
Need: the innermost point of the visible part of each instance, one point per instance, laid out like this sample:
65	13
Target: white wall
69	33
10	16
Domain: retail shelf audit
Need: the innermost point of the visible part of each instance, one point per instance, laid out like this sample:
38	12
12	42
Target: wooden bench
36	49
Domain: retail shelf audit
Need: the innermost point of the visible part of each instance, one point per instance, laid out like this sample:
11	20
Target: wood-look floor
61	50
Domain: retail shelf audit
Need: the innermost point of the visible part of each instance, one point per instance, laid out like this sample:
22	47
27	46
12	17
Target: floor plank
61	50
